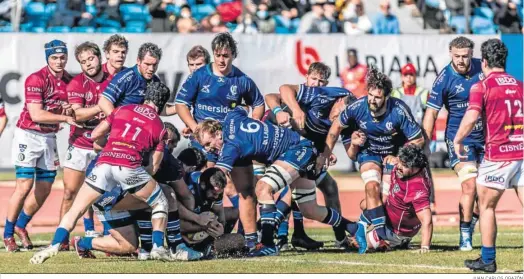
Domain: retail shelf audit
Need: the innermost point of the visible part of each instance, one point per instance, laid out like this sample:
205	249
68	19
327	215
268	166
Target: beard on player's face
93	71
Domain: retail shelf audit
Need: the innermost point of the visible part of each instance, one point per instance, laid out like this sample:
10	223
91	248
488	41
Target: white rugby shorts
501	175
32	149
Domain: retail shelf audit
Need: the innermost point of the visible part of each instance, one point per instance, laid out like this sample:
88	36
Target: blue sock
352	228
283	228
23	220
488	254
89	224
174	238
282	211
251	239
86	243
378	219
338	223
364	218
298	221
267	218
9	229
106	228
234	200
158	238
61	235
465	229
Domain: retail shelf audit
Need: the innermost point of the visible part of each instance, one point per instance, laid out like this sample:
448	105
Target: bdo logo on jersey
304	57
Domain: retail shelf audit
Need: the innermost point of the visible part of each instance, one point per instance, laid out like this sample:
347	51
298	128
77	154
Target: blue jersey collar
209	68
135	69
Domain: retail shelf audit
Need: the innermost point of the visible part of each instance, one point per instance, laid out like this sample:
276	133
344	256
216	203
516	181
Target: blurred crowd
351	17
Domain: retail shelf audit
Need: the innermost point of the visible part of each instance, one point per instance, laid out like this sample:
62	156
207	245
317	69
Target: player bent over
34	146
407	205
498	100
134	130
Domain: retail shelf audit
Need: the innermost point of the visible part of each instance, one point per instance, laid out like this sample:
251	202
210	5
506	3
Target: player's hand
186	132
283	118
204	219
71	121
422	250
459	150
300	118
390	160
321	163
215	229
358	138
332	159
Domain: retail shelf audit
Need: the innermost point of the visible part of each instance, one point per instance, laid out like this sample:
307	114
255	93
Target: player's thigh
101	178
279	175
26	149
305	195
499	175
243	178
78	158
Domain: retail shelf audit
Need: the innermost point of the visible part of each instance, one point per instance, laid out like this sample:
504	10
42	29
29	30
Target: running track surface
447	195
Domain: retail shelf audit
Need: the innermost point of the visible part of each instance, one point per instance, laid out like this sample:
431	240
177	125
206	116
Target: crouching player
134	131
291	157
407	205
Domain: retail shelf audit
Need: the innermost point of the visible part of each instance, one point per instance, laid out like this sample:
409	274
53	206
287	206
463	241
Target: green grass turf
444	258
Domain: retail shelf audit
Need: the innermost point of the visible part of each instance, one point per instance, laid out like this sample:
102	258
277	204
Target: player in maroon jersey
115	49
498	99
134	132
83	93
34	147
407	205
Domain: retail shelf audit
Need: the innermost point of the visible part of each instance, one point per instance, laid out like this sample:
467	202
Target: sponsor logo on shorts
21	157
92	177
135	179
494	179
22	147
69	156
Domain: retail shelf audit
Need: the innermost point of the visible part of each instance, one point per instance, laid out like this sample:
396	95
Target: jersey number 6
252	127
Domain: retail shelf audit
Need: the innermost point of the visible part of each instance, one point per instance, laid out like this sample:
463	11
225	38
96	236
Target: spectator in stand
265	23
246	26
356	21
409	18
507	17
385	22
414	96
354	76
109	10
330	14
216	24
314	21
71	13
162	20
185	25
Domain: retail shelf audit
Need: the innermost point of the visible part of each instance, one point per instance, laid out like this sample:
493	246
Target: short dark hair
171	128
377	80
192	157
412	156
321	68
150	48
87	46
495	52
115	39
211	178
224	40
198	51
157	93
461	42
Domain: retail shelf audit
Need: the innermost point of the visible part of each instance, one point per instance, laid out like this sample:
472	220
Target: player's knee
306	200
372	189
277	177
45	176
468	187
263	189
125	247
158	203
170	196
69	194
230	190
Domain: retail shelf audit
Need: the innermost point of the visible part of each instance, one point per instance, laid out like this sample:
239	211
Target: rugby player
196	58
34	147
385	124
407	203
212	91
498	100
134	131
451	90
291	157
115	50
309	104
83	93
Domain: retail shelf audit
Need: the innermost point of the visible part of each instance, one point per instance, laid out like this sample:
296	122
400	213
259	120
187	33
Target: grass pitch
444	258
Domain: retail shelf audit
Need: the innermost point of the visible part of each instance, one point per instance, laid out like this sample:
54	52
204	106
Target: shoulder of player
123	75
38	76
76	81
444	76
359	103
399	107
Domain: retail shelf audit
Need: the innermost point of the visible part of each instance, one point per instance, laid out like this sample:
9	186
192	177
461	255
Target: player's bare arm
84	114
184	196
106	105
358	138
466	126
288	94
169	110
426	229
258	112
418	141
39	115
155	162
428	123
100	130
331	140
185	115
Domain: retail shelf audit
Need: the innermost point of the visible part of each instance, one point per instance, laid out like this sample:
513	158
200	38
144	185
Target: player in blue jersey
451	90
310	105
211	92
129	86
291	157
196	58
385	124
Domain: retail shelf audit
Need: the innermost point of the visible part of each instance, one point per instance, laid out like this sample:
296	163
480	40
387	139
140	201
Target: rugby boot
64	246
480	265
10	244
261	251
45	254
24	237
345	244
306	242
184	253
282	243
143	255
465	244
160	253
360	236
81	252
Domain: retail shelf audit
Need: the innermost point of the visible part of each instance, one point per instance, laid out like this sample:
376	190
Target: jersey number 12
518	104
